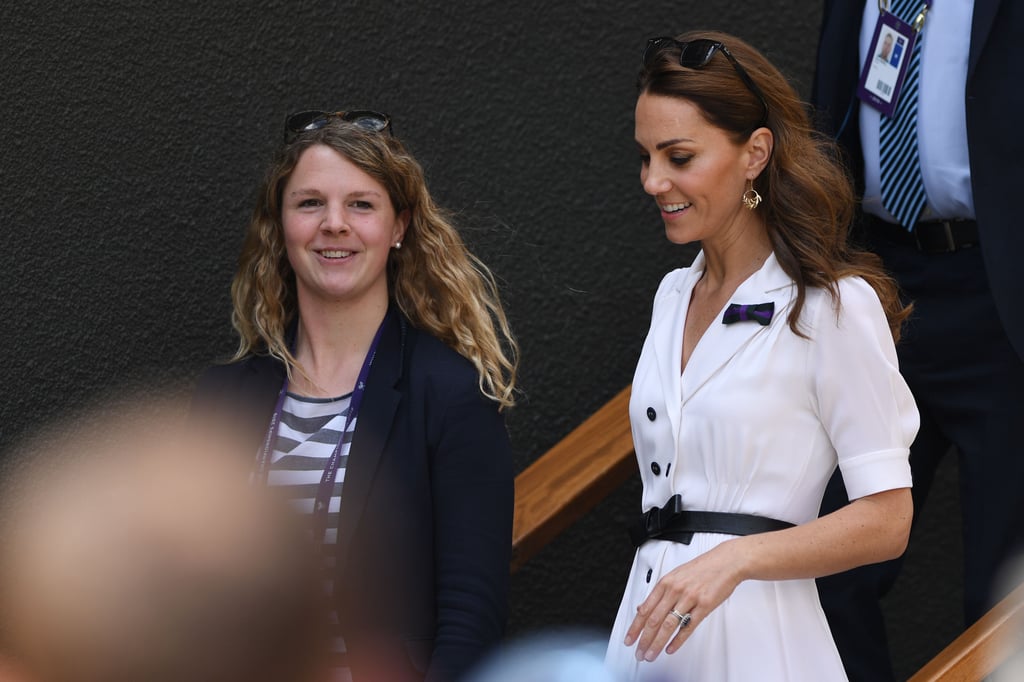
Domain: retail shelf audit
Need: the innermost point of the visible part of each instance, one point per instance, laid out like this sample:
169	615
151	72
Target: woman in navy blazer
352	283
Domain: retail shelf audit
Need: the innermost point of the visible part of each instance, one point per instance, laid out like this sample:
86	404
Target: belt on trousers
928	236
672	522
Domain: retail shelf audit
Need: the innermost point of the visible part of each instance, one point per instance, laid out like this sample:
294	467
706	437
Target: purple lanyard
326	487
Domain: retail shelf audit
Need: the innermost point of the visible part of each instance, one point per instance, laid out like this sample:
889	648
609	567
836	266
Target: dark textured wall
133	138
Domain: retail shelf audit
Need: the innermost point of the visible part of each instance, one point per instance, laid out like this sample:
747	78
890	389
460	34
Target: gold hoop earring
751	198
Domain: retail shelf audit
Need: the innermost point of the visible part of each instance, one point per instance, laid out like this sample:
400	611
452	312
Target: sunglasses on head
695	54
305	121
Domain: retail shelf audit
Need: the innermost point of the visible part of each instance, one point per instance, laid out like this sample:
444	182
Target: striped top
310	429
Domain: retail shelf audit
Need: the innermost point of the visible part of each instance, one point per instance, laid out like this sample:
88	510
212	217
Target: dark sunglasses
305	121
696	54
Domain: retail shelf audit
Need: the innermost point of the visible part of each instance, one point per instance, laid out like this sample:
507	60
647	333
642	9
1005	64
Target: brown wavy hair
808	197
434	280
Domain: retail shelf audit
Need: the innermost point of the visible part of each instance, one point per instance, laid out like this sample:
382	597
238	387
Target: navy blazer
994	100
425	527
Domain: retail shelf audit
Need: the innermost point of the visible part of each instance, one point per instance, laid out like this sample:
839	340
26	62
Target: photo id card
885	68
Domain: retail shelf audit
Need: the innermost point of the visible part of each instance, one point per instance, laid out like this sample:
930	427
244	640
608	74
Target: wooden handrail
981	648
566	482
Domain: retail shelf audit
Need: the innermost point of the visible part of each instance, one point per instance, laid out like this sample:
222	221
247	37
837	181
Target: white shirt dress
756	424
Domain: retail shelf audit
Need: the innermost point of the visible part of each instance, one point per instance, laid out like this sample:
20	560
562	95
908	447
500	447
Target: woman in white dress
770	361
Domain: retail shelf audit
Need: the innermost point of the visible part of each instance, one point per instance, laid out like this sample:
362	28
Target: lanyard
326	487
918	22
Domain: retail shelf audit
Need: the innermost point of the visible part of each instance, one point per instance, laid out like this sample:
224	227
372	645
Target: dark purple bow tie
743	312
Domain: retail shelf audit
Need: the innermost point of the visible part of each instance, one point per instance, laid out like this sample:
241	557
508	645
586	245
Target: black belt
928	236
674	523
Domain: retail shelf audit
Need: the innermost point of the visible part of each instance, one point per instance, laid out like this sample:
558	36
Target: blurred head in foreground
134	549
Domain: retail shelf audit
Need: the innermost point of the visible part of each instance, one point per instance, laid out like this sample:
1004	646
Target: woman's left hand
692	590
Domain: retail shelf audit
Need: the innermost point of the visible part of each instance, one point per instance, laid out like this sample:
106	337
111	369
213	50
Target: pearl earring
398	245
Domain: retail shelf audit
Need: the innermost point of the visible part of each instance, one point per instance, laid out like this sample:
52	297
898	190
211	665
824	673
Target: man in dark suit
963	348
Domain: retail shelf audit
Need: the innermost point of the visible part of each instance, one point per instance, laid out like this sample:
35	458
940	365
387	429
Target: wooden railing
566	482
592	461
981	648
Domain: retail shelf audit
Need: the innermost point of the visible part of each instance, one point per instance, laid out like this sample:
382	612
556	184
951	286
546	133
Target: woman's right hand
692	590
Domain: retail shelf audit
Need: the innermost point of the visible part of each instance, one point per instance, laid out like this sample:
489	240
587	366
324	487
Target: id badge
885	69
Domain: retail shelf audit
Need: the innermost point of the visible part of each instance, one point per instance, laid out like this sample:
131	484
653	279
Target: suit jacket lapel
373	424
722	341
981	24
251	401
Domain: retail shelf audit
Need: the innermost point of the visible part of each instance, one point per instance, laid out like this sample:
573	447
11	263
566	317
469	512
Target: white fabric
756	424
941	114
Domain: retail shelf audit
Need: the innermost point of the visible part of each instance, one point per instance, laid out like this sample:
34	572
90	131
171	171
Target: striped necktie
902	187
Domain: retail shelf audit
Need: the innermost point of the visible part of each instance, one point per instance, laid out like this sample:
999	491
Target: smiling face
339	227
694	170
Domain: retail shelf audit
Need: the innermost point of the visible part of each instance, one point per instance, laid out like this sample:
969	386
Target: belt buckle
947	234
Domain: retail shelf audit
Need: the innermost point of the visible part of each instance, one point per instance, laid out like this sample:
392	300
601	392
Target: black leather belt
928	236
674	523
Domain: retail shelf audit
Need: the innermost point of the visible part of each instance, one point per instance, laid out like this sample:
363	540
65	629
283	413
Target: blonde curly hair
436	282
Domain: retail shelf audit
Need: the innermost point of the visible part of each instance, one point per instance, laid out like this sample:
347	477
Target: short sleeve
863	401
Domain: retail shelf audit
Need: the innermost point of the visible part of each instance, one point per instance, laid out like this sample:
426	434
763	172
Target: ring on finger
684	618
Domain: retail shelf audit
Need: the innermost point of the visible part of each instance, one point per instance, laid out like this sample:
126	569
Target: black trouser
969	386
